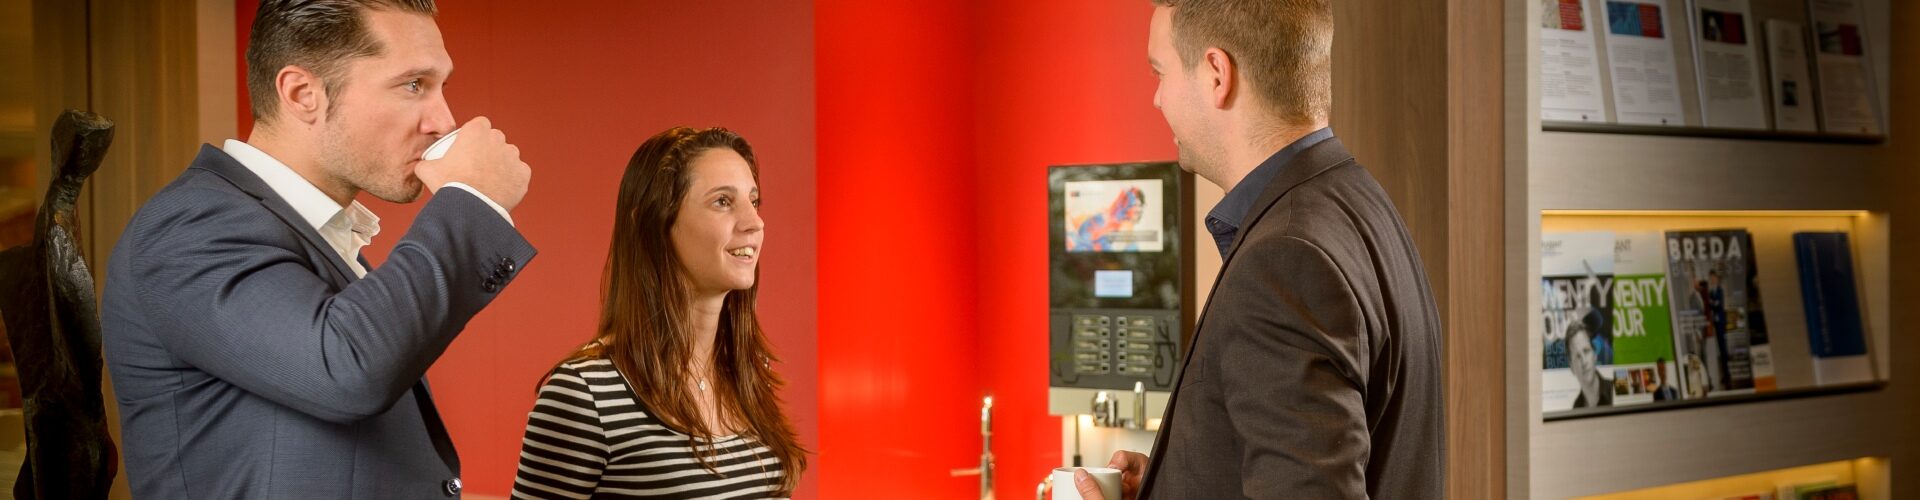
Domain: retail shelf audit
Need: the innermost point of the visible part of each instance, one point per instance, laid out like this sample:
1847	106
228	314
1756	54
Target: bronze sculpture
53	324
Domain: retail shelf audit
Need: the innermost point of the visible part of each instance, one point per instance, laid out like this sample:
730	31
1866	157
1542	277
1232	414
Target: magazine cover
1571	88
1642	331
1836	333
1720	333
1576	280
1849	98
1640	55
1726	59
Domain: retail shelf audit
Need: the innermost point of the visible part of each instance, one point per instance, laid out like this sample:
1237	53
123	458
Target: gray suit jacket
1314	371
249	362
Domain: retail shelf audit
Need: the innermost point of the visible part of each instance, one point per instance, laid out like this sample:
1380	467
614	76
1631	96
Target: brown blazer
1314	371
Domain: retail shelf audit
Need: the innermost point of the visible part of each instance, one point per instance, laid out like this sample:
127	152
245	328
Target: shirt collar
360	220
1225	218
313	205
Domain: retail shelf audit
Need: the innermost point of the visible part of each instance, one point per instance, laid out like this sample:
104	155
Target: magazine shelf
1574	177
1864	477
1721	133
1803	421
1654	281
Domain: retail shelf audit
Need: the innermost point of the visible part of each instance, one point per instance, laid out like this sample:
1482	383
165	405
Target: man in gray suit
254	353
1314	371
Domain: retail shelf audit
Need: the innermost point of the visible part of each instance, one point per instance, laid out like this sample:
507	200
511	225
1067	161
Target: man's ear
303	97
1218	75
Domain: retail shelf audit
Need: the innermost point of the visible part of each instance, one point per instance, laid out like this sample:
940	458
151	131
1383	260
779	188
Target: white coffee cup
1107	478
440	146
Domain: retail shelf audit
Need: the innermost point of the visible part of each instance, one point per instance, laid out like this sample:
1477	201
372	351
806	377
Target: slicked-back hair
318	35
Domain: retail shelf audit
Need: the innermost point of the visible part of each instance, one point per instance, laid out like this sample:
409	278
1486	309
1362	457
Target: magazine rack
1792	371
1566	177
1676	41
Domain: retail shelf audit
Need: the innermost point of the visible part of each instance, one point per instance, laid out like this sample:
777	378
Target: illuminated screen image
1113	235
1115	216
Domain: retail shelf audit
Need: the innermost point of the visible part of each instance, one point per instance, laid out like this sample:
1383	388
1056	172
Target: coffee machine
1119	281
1122	269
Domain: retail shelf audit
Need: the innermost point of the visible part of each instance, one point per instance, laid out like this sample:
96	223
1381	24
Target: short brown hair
1285	47
319	35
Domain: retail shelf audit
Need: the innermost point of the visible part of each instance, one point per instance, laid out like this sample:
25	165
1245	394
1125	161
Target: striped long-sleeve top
589	437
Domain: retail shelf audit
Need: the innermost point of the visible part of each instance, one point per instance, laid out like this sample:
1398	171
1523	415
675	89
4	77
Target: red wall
578	86
937	121
899	367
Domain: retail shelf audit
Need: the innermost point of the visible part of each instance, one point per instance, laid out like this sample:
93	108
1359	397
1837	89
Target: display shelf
1596	456
1717	133
1867	475
1609	450
1778	278
1579	171
1783	394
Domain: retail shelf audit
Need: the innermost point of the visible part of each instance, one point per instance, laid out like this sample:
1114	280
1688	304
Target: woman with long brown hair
676	396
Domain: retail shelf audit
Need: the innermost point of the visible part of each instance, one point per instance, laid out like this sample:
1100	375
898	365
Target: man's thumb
1089	489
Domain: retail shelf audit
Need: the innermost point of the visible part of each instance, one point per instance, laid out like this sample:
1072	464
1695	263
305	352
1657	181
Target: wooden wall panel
143	77
60	59
1390	108
1899	177
166	83
1418	98
1476	403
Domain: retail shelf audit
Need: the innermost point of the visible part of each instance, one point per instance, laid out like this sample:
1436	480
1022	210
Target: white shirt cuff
482	197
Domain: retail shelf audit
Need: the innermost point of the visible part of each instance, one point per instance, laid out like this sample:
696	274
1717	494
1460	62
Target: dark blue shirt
1225	218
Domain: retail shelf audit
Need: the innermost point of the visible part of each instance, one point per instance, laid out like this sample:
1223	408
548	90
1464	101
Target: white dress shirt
346	229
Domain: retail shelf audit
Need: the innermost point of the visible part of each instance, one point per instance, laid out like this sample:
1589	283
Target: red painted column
899	362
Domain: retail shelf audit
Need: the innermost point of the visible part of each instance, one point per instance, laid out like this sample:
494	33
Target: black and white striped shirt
589	437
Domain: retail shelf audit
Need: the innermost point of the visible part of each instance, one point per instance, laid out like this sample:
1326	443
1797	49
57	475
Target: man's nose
439	118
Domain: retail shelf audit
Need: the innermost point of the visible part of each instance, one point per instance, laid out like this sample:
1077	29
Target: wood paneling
1898	178
143	76
60	60
1418	97
145	64
1390	108
1476	179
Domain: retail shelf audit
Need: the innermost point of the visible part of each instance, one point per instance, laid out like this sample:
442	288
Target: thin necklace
702	377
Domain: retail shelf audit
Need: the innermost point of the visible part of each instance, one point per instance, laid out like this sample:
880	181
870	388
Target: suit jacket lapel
214	160
1309	164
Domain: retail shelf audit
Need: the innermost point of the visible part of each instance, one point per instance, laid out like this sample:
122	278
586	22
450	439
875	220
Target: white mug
440	146
1107	478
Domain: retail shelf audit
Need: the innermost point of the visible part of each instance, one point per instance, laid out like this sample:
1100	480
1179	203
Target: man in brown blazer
1314	371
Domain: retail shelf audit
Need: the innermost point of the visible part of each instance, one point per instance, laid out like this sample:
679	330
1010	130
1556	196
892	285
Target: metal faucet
1139	407
985	470
986	449
1106	409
